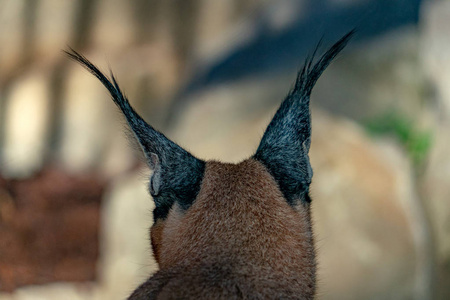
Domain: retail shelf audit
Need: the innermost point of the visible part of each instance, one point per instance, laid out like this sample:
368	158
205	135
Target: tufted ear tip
285	145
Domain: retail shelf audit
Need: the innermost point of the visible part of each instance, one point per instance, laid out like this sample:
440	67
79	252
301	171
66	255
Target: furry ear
285	145
176	173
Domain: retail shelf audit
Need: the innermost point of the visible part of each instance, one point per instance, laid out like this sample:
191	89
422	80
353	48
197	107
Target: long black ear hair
285	145
176	173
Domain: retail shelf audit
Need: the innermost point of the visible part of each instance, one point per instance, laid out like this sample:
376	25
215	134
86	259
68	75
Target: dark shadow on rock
271	53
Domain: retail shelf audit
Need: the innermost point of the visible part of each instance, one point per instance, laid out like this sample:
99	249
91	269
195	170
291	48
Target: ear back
176	173
285	145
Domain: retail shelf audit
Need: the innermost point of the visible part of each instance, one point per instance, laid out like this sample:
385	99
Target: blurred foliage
417	142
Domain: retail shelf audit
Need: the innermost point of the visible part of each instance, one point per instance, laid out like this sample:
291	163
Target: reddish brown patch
156	238
49	228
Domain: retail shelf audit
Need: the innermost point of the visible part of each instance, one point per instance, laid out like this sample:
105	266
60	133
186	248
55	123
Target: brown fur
156	232
239	240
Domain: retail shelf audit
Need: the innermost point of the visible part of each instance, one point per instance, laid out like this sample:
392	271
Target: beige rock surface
364	213
436	174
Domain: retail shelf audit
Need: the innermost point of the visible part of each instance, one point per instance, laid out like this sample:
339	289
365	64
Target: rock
366	218
376	77
436	173
435	58
436	192
228	122
125	257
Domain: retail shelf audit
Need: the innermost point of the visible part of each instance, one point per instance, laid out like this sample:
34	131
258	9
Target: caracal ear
176	173
285	144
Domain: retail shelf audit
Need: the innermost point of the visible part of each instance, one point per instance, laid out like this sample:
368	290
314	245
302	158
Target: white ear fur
155	180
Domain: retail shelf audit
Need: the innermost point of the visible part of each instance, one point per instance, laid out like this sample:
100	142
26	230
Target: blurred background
74	211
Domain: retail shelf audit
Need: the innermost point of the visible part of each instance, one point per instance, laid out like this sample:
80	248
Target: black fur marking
285	145
180	172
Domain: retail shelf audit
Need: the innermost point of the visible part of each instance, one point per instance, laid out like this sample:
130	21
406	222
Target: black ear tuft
176	173
285	145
